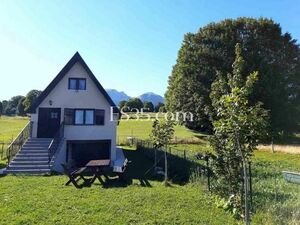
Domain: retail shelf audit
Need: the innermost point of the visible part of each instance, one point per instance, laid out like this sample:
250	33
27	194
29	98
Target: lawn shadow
142	167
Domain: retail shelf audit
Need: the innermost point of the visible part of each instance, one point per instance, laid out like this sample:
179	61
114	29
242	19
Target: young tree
161	135
148	106
266	49
237	125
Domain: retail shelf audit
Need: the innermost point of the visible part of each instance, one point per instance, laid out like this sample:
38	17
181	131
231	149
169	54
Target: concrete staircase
32	158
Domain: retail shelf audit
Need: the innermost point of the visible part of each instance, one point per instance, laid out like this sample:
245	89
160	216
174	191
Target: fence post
250	181
208	173
166	167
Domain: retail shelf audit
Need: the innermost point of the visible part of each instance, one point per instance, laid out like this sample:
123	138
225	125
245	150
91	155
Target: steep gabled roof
76	58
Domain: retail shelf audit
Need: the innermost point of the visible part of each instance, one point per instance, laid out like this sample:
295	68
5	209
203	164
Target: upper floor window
77	83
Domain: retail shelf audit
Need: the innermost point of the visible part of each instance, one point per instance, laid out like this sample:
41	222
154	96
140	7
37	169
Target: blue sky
129	45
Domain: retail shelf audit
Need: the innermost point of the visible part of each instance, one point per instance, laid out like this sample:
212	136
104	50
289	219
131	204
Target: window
89	116
99	116
84	116
79	117
77	83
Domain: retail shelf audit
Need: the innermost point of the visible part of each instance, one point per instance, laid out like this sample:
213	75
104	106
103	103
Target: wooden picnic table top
98	163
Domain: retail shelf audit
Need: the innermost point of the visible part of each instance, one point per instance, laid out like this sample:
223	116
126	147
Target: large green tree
148	106
134	104
30	99
1	108
275	55
12	105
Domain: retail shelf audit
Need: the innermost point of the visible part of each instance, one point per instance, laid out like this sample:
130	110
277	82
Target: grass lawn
45	200
31	199
11	126
142	129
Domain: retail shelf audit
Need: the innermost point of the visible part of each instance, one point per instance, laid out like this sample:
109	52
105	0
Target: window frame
84	113
77	79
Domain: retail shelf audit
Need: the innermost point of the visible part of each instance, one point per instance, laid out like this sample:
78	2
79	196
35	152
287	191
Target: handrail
59	135
18	142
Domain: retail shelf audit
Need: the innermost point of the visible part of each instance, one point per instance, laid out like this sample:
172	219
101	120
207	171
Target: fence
3	148
180	165
130	140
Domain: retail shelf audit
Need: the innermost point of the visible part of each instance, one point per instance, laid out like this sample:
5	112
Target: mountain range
118	96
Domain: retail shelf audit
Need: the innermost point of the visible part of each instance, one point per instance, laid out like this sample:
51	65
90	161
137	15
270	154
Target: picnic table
98	169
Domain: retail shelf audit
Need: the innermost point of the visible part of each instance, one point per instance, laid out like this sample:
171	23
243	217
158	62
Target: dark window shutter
99	116
69	116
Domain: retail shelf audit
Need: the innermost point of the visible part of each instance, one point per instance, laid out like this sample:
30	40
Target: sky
130	45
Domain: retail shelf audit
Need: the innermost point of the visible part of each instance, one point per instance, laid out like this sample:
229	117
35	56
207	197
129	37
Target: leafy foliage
158	106
237	128
1	108
12	104
30	99
162	132
148	106
134	103
265	49
20	107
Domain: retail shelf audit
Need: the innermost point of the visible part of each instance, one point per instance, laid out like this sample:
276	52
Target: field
144	200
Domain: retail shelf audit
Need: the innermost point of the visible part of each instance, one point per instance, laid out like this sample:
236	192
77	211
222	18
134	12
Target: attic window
77	84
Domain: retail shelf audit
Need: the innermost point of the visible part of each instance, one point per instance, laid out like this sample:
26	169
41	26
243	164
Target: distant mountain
152	97
117	96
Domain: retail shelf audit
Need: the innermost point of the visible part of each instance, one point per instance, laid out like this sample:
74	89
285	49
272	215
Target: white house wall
91	98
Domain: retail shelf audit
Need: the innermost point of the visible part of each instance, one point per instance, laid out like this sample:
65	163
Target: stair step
29	162
32	158
17	166
28	171
34	147
33	151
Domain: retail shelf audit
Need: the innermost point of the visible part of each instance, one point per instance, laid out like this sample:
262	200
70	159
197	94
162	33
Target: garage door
84	151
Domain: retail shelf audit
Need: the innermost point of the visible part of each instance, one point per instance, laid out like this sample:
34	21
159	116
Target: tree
134	103
1	108
148	106
158	106
4	105
20	107
161	135
30	99
276	56
122	104
238	125
11	107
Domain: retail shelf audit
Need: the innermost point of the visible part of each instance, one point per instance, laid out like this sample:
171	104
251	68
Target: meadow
143	199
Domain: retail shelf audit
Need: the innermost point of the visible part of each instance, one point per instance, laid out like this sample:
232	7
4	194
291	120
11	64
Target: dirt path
293	149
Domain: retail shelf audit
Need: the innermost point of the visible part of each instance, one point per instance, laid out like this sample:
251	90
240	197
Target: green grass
11	126
45	200
28	200
142	129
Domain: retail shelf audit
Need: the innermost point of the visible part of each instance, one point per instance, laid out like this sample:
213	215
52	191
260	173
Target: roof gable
76	58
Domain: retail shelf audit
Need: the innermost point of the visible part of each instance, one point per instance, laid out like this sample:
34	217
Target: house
73	121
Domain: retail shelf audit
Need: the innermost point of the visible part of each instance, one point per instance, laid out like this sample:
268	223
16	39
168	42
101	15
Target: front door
48	122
